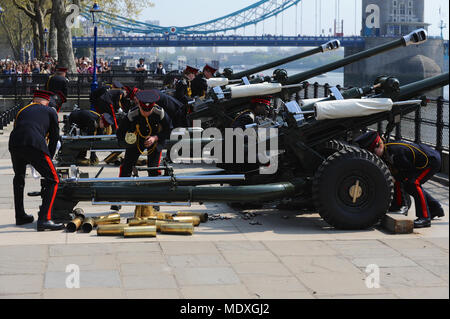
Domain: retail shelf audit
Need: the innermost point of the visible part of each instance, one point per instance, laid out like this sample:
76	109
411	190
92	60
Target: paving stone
412	243
81	250
263	286
268	269
401	277
197	261
437	266
94	262
144	269
136	247
318	264
10	267
24	253
25	296
149	281
337	284
88	279
299	248
249	245
258	256
20	284
421	292
206	276
363	248
83	293
384	262
215	292
184	248
140	257
152	294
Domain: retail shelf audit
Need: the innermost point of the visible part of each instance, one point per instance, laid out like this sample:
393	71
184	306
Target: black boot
116	207
437	212
422	222
24	219
48	224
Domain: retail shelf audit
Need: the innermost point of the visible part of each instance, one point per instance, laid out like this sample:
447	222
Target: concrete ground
267	254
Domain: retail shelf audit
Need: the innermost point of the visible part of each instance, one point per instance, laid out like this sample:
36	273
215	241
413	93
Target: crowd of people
48	65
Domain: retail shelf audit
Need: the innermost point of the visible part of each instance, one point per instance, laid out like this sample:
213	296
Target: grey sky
182	13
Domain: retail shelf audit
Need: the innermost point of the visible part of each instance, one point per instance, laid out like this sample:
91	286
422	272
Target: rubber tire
329	195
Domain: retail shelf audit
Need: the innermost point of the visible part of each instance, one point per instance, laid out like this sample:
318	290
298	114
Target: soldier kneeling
143	132
411	166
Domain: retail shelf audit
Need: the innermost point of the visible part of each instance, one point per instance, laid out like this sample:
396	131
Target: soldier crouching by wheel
34	125
143	132
89	123
411	166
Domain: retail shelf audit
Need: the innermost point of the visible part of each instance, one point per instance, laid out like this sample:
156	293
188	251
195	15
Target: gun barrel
415	37
416	88
329	46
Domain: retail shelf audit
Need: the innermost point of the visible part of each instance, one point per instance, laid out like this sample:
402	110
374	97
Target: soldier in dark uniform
110	101
128	101
58	81
260	106
183	91
34	124
57	100
411	166
174	108
143	132
199	85
89	123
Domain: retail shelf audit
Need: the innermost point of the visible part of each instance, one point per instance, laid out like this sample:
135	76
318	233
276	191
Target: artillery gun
221	106
351	188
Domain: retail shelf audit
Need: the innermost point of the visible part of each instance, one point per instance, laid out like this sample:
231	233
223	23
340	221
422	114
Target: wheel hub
355	191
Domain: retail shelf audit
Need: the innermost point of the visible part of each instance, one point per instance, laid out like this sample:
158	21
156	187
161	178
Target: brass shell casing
141	222
164	215
177	228
88	225
113	218
73	225
144	211
111	230
203	216
139	231
194	220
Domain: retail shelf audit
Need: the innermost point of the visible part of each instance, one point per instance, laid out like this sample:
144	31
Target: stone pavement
273	254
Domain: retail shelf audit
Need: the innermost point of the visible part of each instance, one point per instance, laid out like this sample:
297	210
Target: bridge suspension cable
250	15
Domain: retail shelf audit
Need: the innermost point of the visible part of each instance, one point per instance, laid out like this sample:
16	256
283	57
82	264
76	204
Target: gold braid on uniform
412	148
139	134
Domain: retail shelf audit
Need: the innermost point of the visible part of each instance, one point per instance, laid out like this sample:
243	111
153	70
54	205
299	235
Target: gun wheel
352	189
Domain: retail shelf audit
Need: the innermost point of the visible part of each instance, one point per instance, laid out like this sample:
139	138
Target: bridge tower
382	20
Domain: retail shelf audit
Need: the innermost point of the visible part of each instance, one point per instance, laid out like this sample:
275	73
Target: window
395	3
410	4
395	12
402	9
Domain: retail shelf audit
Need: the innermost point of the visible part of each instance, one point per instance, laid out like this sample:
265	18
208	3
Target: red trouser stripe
159	162
398	193
114	115
420	192
120	170
55	176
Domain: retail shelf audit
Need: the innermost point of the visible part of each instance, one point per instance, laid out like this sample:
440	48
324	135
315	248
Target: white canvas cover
255	89
213	82
337	109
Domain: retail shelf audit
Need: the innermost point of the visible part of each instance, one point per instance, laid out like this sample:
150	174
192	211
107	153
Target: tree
16	28
36	10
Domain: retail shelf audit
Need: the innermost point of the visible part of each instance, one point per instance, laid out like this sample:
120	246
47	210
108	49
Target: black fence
429	125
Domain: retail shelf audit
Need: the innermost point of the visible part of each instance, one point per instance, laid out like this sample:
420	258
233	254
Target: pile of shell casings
145	223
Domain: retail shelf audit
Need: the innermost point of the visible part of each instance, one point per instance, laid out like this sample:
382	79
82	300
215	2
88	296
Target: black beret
147	98
117	84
